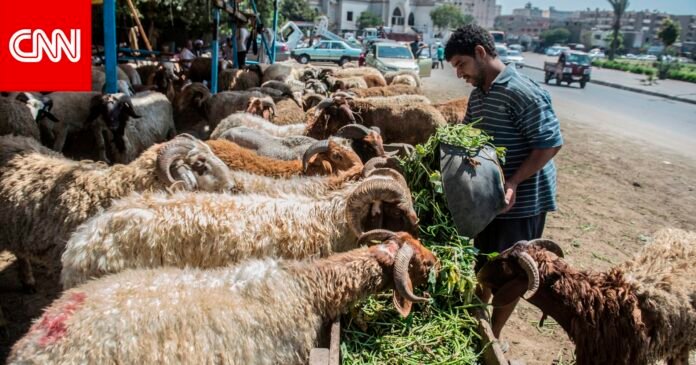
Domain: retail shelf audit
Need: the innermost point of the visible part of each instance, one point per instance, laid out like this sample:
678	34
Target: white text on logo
55	47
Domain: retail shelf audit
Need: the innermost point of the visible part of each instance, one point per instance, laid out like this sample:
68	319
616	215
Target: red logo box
45	45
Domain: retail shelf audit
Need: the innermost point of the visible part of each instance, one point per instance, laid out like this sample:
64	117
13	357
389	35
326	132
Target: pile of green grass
441	331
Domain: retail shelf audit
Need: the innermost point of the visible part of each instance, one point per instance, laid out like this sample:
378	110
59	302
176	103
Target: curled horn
548	245
380	235
316	147
353	131
529	266
403	288
359	201
171	152
327	102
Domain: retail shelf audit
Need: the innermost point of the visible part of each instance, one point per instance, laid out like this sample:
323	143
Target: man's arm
536	160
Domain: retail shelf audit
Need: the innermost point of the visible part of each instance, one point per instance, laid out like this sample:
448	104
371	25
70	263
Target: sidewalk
671	89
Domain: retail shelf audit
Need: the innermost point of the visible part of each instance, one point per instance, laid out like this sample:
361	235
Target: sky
677	7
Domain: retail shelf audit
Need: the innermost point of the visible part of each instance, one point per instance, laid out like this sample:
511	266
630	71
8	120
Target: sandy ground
613	195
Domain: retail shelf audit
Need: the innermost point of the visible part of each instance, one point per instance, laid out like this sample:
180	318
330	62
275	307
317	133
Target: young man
517	112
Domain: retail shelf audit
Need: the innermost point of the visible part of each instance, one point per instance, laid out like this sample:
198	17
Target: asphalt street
643	118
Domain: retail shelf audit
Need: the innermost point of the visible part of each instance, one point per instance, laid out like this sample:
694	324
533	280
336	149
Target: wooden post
134	12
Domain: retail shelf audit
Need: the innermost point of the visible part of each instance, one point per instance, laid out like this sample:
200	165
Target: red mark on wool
52	324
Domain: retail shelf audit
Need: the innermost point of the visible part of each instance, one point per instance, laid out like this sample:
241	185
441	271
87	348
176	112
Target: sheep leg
26	275
101	144
61	130
3	325
681	358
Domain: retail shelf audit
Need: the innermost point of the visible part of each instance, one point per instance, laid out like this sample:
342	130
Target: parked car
502	52
516	47
596	53
325	50
393	56
515	56
571	66
282	51
556	50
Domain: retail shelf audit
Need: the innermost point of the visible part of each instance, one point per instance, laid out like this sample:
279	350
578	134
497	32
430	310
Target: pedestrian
242	36
186	55
517	113
441	55
416	45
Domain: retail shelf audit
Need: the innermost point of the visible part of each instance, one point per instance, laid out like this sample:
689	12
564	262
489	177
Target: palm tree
619	10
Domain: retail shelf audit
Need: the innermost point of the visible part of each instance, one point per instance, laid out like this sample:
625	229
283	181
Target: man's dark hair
465	39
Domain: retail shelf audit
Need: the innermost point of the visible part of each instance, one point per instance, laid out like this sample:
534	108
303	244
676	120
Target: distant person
517	113
186	55
242	37
227	49
198	47
441	55
415	45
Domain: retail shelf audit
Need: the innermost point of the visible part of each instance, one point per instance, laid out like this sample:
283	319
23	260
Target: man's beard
480	77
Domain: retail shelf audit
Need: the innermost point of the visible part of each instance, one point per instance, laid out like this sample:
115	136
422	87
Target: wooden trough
328	352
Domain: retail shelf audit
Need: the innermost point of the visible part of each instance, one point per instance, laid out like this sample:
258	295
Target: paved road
662	122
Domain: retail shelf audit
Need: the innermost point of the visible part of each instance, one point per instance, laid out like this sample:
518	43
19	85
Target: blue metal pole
275	31
110	45
216	48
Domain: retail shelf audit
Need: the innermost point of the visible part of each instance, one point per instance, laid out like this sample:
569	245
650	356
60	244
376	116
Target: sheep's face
115	110
210	172
499	271
330	119
263	107
392	216
337	159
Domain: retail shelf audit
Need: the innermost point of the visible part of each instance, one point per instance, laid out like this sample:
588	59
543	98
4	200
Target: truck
570	67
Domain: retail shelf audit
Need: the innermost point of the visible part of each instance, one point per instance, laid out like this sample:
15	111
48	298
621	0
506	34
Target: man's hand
510	196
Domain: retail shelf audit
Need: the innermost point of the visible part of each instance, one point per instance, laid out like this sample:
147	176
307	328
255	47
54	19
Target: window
324	45
597	36
349	16
337	45
394	52
411	19
397	18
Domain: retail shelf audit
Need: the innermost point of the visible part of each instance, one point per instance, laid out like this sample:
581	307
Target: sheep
257	312
391	90
366	142
328	157
412	124
453	110
162	77
282	72
44	196
311	100
316	86
256	122
154	229
410	78
346	83
351	72
99	77
155	124
239	80
72	111
396	100
375	80
638	312
132	73
197	110
16	119
264	144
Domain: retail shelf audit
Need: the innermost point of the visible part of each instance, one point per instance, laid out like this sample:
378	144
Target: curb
633	89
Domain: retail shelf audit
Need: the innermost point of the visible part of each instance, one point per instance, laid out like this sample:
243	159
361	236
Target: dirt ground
613	195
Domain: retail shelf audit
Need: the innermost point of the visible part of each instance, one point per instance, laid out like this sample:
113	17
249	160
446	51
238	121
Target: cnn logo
46	45
55	47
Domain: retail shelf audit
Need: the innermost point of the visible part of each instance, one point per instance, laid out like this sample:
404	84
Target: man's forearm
536	160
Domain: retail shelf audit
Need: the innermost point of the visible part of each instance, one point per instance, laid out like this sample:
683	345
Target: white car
596	53
556	50
515	56
393	56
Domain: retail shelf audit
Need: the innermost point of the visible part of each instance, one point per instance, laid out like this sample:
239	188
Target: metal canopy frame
110	54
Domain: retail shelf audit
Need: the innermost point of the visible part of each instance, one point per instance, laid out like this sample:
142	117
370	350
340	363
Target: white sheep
211	230
258	312
256	122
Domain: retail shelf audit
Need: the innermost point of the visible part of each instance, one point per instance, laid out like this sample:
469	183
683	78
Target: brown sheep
453	110
374	81
638	312
412	124
328	157
288	112
391	90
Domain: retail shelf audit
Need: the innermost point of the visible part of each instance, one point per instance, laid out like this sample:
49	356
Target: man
416	45
186	55
242	36
440	55
517	112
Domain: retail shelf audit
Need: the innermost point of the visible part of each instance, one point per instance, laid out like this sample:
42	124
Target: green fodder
441	331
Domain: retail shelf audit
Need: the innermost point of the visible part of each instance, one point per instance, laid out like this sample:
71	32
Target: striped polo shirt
518	114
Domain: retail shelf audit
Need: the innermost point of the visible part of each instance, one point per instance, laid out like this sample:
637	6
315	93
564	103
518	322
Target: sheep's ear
326	165
96	105
130	110
509	292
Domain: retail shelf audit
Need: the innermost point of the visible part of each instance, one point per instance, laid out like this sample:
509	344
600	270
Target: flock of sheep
188	227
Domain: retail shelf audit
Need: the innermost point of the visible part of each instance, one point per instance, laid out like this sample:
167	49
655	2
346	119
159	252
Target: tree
619	7
297	10
368	19
552	36
619	43
449	16
669	32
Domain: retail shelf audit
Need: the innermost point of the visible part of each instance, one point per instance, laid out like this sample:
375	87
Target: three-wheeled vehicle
571	66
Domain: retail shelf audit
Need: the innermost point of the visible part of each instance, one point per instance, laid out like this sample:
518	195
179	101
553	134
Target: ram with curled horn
237	227
73	191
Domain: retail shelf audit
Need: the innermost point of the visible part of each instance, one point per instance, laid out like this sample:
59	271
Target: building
403	16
